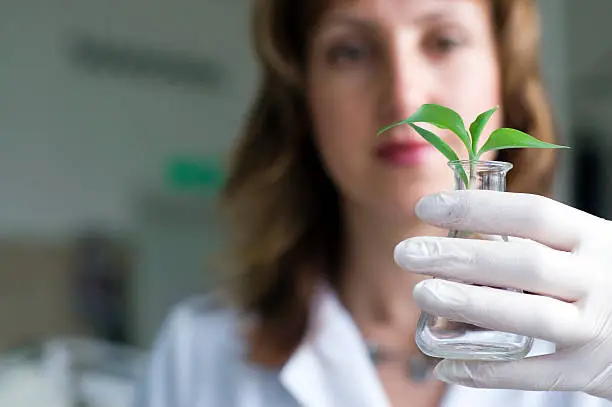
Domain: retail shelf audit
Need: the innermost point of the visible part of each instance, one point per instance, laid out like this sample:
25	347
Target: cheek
479	87
476	89
488	97
342	125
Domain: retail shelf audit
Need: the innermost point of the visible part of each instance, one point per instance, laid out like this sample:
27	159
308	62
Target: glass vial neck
484	175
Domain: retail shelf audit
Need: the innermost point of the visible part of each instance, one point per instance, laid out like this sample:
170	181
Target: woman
328	215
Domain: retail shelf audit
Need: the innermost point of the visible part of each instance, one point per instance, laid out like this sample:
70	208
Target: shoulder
202	327
208	313
197	341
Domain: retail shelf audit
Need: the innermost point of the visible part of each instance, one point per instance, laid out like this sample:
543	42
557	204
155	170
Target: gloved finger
502	310
538	373
504	213
520	264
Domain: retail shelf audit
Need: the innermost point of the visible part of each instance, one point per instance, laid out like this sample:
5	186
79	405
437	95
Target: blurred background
114	120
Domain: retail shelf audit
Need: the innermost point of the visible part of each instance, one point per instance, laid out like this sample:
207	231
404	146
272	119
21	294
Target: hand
562	255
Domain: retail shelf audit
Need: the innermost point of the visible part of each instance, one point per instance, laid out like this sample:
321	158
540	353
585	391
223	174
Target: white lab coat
197	362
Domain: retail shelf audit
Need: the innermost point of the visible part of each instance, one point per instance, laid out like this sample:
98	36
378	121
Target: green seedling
447	119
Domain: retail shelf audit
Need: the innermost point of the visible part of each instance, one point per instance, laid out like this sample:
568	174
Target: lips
404	152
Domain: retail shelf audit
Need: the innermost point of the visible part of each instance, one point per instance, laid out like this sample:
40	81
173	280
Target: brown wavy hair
285	208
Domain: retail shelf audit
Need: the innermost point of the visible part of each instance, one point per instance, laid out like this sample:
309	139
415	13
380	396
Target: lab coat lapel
304	377
350	369
331	367
304	373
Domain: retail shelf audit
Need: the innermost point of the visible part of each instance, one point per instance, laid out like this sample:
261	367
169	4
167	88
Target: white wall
590	39
590	61
589	36
556	70
78	148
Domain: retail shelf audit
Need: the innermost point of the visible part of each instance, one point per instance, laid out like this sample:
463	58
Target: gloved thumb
541	373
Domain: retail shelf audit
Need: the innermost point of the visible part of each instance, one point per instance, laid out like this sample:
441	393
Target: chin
392	192
399	201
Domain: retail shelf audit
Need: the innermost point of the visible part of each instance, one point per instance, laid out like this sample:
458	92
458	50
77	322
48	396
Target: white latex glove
563	254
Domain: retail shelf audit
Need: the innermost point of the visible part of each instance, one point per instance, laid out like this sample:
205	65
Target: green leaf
437	142
444	118
478	126
390	126
441	146
511	138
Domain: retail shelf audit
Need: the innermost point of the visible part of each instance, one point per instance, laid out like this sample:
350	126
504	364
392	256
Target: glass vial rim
482	165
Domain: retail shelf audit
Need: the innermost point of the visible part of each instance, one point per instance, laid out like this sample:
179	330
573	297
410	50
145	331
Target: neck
376	291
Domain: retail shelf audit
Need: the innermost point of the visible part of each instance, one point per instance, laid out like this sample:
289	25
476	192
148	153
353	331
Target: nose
406	81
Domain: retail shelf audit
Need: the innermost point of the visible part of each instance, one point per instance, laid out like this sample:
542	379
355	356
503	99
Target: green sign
198	174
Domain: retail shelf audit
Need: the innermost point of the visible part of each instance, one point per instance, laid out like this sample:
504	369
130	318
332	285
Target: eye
443	43
446	44
348	53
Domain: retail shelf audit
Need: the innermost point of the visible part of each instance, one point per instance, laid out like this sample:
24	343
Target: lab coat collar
331	367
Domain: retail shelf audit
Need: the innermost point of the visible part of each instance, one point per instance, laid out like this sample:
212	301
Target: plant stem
472	175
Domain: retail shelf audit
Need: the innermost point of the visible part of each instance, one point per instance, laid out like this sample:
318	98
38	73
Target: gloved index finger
528	216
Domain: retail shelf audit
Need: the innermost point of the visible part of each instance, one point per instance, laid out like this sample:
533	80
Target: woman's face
373	62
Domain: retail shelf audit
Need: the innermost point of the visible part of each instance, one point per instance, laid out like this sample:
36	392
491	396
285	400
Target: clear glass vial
444	338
